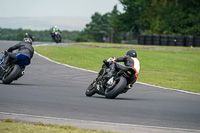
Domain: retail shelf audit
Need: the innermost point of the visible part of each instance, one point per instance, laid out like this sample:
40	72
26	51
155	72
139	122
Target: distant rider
130	60
24	48
55	30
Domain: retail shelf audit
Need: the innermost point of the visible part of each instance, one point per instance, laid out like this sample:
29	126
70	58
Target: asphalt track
54	93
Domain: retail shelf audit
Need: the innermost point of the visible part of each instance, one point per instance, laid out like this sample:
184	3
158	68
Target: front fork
98	85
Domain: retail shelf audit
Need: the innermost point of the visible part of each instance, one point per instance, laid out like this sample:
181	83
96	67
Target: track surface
53	90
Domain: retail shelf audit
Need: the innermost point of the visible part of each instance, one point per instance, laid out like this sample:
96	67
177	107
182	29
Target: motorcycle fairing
2	59
1	63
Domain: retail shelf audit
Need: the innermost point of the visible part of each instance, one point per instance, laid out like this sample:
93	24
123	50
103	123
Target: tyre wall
164	40
148	40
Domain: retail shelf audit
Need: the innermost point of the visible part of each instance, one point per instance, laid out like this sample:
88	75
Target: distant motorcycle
56	37
111	87
15	68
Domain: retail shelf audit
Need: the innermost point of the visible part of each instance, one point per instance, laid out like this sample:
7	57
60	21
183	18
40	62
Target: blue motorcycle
14	68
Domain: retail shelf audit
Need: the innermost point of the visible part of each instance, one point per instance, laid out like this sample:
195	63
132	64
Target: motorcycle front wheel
90	91
11	75
56	39
112	93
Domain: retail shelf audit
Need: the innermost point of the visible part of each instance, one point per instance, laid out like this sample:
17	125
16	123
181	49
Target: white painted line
193	93
65	64
96	124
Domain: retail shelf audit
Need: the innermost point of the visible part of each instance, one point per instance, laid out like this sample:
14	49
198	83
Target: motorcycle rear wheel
118	88
12	74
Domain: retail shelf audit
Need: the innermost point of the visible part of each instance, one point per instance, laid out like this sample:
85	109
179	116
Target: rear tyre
12	74
118	88
90	90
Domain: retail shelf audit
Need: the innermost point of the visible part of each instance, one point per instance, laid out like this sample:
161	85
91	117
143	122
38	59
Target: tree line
154	17
43	35
151	17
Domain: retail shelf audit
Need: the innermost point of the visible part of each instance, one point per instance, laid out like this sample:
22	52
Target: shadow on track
23	84
120	98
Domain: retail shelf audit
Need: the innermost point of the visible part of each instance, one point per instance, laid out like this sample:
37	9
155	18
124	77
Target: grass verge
130	46
9	126
177	69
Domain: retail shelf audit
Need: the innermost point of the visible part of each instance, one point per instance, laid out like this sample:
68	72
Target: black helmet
28	39
132	53
27	35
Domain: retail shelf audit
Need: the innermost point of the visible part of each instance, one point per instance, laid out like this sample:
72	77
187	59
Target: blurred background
147	22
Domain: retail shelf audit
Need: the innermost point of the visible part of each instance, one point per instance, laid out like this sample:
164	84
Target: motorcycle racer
25	49
130	61
54	31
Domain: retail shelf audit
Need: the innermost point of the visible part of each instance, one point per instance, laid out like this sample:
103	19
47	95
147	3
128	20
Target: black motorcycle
110	87
14	69
56	37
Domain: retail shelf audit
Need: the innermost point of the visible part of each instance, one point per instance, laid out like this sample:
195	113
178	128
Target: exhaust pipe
23	72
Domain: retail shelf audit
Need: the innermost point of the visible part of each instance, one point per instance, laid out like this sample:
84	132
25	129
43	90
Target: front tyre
56	39
90	91
11	75
59	37
118	88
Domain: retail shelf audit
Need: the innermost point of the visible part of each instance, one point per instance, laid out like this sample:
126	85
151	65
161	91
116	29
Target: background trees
18	34
163	17
179	17
102	28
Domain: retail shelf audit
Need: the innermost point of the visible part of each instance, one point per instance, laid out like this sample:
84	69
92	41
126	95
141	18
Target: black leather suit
23	47
129	63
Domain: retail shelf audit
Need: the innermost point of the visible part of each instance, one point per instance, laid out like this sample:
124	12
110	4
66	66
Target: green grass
179	69
13	127
153	47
